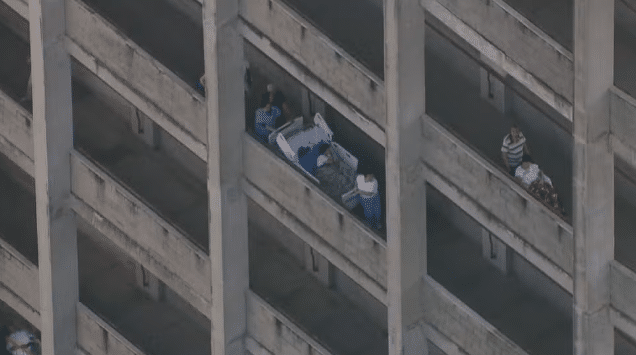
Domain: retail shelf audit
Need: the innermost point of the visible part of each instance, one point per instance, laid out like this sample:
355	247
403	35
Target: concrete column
405	186
224	70
53	139
593	176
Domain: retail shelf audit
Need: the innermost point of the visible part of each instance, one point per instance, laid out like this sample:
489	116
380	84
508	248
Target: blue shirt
264	121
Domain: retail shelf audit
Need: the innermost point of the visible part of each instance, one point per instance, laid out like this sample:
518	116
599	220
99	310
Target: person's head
365	170
265	101
526	160
515	132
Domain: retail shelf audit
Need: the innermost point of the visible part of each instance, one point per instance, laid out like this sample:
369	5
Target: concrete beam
404	28
492	189
225	102
270	330
593	176
53	142
317	211
462	325
314	83
342	258
318	54
557	96
19	283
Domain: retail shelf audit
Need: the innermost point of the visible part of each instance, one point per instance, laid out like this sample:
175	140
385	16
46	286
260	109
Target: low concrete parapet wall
135	74
19	283
142	233
463	326
16	134
97	337
500	197
271	332
306	44
331	222
623	290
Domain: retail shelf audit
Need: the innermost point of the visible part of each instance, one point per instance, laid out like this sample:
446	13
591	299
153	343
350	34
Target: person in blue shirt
265	118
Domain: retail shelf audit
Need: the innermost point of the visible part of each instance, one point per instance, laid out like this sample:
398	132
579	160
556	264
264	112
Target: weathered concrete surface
521	305
106	138
101	47
540	86
520	40
312	83
329	251
623	290
97	337
462	325
270	332
555	18
496	226
593	176
622	113
53	143
356	26
317	211
319	55
404	33
16	134
108	287
146	237
19	285
330	319
227	204
500	196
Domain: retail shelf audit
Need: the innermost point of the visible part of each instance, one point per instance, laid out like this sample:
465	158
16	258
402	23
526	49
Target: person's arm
526	150
504	157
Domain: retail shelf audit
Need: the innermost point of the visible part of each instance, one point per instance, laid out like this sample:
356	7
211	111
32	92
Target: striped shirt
514	150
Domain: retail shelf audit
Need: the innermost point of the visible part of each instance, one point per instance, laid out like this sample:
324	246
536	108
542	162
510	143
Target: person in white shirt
367	186
528	172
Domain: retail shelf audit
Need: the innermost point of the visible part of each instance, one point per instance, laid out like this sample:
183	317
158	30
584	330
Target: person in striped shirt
513	148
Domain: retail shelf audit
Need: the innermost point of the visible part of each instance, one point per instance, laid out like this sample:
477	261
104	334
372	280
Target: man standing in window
513	148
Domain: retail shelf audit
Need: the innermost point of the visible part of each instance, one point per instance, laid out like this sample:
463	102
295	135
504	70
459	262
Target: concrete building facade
140	214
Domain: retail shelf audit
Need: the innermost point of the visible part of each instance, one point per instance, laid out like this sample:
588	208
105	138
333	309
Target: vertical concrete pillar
224	70
405	186
53	142
593	176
